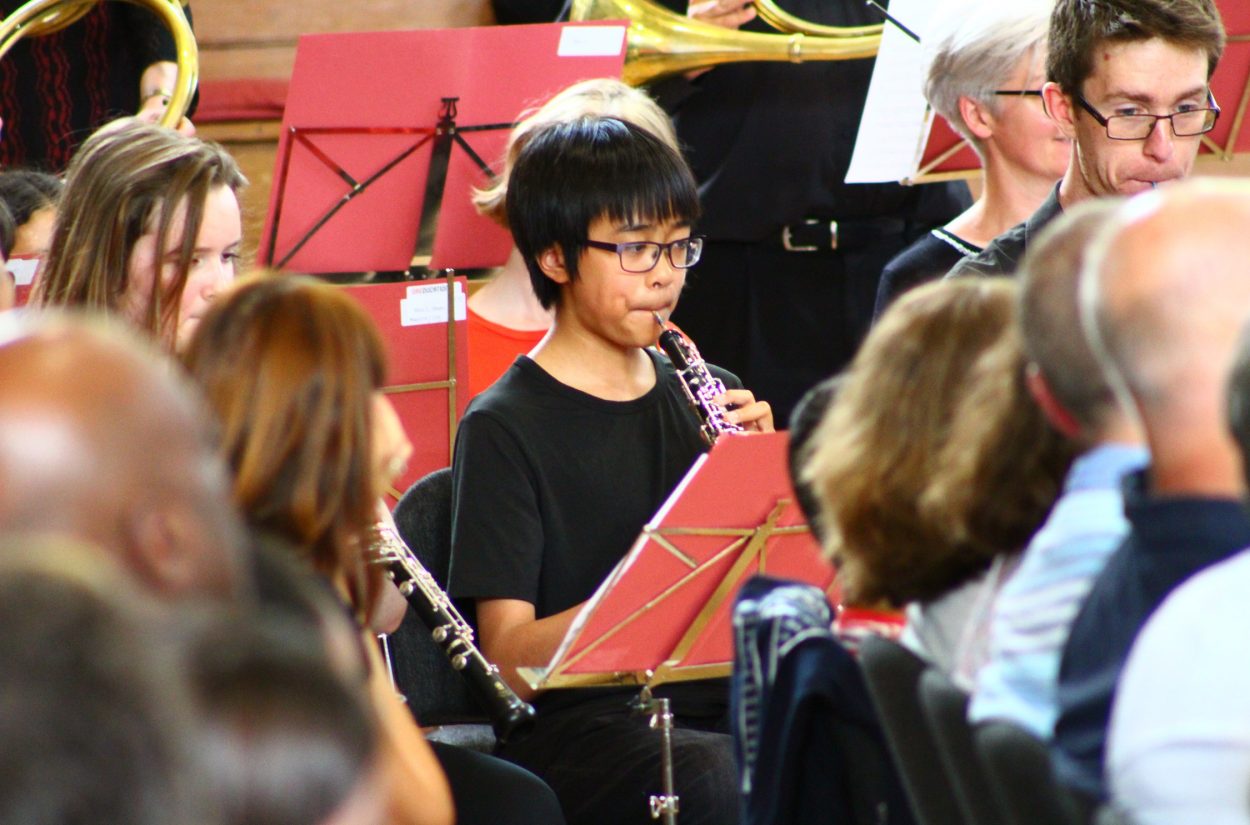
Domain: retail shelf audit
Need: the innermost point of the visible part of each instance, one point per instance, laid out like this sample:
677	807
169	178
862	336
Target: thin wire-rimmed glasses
1189	123
642	256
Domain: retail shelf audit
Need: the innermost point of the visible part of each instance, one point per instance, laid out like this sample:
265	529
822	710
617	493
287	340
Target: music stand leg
665	805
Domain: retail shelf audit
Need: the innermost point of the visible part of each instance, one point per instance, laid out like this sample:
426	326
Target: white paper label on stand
895	126
427	304
591	41
23	270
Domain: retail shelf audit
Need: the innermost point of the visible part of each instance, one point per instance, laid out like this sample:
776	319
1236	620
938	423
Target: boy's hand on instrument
742	408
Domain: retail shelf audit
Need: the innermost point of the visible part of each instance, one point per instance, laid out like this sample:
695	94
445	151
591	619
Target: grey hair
973	46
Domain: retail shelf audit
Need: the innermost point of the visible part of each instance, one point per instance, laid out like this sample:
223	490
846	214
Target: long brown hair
126	180
882	446
290	365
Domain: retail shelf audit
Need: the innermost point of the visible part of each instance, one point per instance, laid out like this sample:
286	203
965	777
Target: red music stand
425	366
1231	83
385	134
663	614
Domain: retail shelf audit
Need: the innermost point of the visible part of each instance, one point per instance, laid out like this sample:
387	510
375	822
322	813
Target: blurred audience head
1163	298
293	369
804	422
102	440
97	725
285	739
1064	374
932	459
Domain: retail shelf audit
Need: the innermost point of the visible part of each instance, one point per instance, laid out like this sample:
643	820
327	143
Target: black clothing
603	761
550	488
1003	255
527	11
56	89
488	790
551	485
770	144
928	259
808	742
1170	539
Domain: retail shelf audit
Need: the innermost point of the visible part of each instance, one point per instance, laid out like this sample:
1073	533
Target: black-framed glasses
1019	92
1189	123
642	256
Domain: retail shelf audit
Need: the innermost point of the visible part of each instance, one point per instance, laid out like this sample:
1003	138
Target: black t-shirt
551	486
929	258
1003	255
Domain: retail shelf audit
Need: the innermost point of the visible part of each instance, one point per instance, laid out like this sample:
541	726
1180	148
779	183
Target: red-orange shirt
492	349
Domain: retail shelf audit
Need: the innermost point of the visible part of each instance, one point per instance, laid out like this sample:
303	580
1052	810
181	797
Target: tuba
660	42
40	17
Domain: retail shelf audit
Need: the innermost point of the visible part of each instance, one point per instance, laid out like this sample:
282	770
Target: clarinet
509	714
698	383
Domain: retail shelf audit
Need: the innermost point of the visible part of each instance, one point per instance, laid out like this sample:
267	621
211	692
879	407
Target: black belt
825	234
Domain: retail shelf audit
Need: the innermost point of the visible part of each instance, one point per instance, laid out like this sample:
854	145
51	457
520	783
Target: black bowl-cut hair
575	172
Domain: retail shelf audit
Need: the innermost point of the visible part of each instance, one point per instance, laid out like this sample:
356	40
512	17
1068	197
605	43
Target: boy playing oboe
562	461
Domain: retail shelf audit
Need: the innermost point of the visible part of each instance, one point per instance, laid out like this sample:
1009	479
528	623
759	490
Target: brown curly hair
1003	464
909	420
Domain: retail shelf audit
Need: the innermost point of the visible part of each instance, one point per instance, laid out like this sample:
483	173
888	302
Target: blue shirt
1035	609
1170	539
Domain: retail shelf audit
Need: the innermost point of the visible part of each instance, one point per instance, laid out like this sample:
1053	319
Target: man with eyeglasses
1128	82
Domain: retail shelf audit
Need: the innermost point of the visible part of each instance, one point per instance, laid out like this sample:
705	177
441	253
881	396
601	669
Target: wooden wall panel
256	38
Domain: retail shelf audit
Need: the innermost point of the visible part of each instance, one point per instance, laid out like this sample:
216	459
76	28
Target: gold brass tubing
783	21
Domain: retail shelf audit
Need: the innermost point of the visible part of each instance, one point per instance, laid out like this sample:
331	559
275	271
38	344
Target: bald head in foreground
1179	742
102	441
1164	302
1163	297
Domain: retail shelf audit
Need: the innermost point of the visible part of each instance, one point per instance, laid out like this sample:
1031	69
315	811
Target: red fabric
492	349
245	99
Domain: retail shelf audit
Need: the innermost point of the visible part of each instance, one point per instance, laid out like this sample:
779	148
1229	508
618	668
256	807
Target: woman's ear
551	262
977	117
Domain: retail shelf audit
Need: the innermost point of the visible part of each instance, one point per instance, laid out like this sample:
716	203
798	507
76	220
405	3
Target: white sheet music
895	124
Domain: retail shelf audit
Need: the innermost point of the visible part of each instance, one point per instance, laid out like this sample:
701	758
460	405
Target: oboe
509	714
698	383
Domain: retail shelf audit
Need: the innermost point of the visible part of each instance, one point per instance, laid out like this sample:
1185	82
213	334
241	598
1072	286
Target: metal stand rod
665	806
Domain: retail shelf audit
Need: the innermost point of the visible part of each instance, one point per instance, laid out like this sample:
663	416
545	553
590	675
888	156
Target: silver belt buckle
788	244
